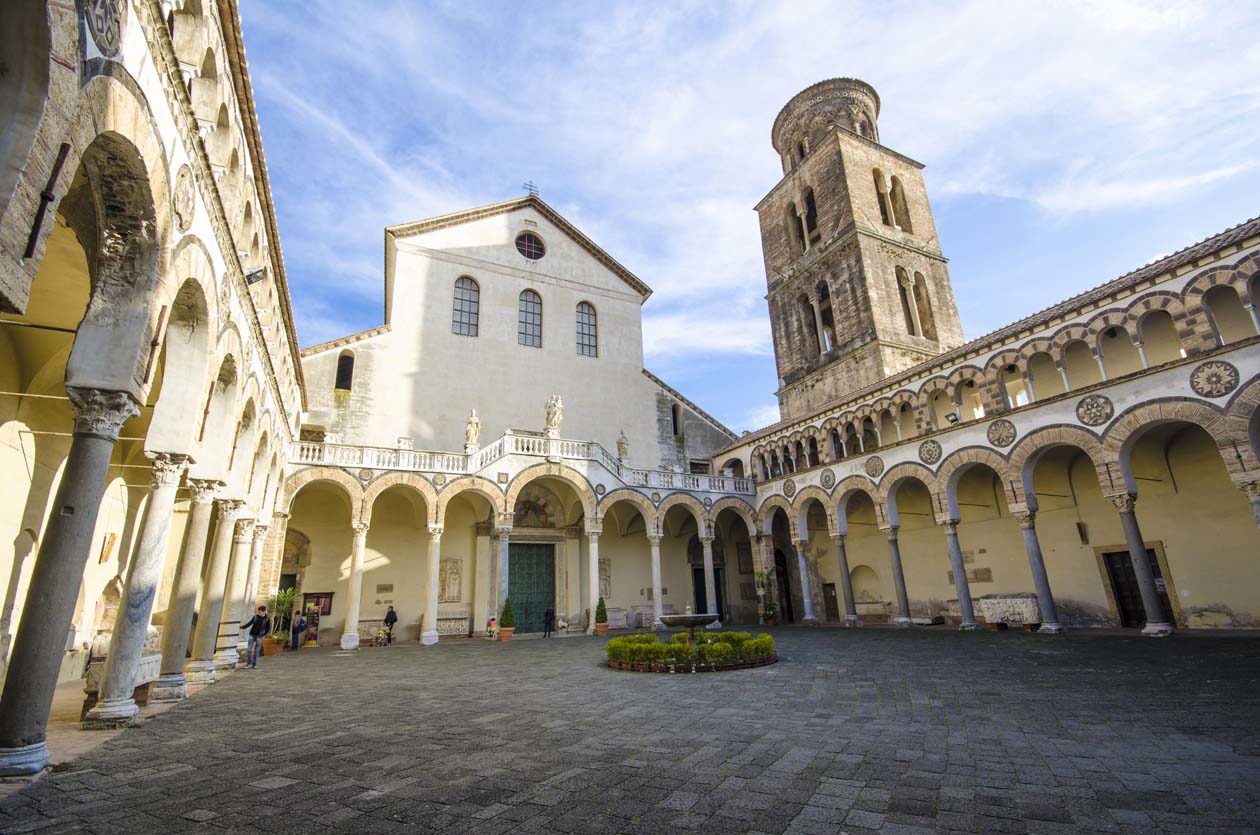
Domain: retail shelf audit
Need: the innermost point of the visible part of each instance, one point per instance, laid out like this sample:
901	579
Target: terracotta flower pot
601	629
505	632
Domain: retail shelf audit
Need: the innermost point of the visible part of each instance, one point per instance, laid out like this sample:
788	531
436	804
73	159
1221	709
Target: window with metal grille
529	320
587	336
467	309
530	245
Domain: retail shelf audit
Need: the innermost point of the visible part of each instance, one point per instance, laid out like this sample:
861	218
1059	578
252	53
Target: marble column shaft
807	595
200	668
229	645
846	583
171	685
40	645
710	582
1041	581
654	542
250	600
505	535
115	706
899	578
592	576
428	629
350	632
961	587
1157	623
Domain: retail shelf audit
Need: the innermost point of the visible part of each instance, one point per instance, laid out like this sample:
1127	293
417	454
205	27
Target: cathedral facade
175	459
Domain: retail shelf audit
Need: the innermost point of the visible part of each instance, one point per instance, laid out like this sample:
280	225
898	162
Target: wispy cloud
649	127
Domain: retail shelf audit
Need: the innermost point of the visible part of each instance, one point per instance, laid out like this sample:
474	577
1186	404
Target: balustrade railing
515	443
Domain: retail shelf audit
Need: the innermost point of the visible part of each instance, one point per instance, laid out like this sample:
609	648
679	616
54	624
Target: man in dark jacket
297	627
391	618
259	625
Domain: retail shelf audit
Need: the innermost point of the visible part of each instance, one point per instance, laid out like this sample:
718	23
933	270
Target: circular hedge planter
636	667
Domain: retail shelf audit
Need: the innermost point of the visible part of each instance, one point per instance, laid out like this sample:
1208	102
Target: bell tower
857	285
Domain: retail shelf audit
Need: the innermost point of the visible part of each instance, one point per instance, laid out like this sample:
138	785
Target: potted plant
507	621
275	643
601	618
769	613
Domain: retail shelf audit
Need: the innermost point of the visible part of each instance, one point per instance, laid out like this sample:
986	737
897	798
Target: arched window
675	418
466	313
827	316
923	306
809	324
587	335
1230	318
900	209
345	371
529	320
881	196
907	309
811	217
795	230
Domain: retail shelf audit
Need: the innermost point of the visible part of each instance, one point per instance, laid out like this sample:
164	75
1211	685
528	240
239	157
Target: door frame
1161	557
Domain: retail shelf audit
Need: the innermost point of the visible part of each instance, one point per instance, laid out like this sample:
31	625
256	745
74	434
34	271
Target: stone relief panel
450	581
929	452
605	578
1095	410
1001	433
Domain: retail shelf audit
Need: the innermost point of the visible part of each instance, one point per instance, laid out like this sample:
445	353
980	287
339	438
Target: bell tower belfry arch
857	286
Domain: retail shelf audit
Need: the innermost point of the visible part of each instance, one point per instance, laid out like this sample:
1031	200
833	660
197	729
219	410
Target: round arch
801	502
483	487
960	461
741	508
328	475
844	491
634	497
411	481
1133	423
765	515
901	473
558	471
692	504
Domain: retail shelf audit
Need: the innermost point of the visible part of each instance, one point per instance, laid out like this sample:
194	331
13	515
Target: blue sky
1065	144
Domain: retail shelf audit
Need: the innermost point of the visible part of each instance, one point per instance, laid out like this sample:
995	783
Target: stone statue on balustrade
555	413
472	431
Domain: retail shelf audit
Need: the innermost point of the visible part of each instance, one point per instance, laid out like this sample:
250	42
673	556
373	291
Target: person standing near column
258	627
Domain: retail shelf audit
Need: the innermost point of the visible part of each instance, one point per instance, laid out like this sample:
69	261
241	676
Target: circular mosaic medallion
874	466
929	452
789	488
1214	379
105	19
708	502
656	498
828	479
182	202
365	476
600	489
439	479
1001	432
1095	410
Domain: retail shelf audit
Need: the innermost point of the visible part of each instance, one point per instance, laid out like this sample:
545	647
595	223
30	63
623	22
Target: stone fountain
689	622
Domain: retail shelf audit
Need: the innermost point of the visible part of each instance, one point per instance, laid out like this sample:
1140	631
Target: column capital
839	537
280	518
655	539
950	526
503	531
1252	489
1027	519
99	413
891	530
229	509
360	528
593	534
244	531
1123	502
801	544
260	532
202	490
168	469
706	539
435	530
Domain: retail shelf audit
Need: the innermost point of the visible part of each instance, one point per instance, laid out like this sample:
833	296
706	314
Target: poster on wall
315	604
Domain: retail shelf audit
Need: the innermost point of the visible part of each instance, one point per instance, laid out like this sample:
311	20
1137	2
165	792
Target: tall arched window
811	217
587	330
795	229
923	306
907	309
881	196
901	210
345	371
529	320
466	312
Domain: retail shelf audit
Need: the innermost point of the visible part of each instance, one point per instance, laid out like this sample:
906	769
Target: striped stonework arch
741	508
801	505
409	481
895	477
765	515
693	506
327	475
960	461
1128	427
1067	334
1111	318
191	259
483	487
640	502
1236	275
1040	345
845	490
1025	455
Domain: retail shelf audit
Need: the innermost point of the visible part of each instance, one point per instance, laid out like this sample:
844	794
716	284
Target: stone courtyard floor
853	731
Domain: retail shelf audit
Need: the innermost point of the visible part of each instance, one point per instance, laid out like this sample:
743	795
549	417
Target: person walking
298	628
259	625
549	622
391	618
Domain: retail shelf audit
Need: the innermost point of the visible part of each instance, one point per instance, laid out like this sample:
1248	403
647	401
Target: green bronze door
531	583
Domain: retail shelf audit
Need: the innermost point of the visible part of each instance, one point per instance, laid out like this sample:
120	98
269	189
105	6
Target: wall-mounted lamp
952	417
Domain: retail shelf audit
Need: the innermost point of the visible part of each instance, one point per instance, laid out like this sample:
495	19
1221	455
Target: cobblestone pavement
893	731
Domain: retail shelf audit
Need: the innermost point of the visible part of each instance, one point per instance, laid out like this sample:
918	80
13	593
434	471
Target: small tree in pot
507	621
275	643
601	618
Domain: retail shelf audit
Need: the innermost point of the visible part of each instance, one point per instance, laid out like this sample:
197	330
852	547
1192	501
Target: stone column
505	535
1157	622
1028	386
428	626
846	583
40	646
1102	369
658	605
908	286
228	646
1255	318
818	324
200	668
807	595
961	586
592	575
171	685
115	707
1252	489
1063	373
1041	582
710	582
250	601
350	632
899	578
